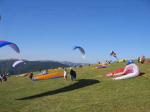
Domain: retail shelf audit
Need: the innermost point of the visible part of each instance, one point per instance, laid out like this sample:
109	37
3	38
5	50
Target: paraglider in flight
114	55
12	45
81	50
17	63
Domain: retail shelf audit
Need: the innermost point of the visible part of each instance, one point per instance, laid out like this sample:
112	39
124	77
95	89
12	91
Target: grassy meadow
92	92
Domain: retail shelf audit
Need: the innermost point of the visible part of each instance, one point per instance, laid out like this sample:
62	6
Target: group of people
3	77
129	71
106	62
72	74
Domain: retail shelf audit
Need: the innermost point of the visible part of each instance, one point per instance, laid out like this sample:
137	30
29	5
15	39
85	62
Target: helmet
130	62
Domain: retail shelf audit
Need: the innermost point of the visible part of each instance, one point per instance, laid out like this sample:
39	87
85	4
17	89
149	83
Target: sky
49	29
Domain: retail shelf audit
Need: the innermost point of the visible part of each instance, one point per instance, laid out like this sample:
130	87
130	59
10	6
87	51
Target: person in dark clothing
72	74
142	59
138	59
31	75
4	78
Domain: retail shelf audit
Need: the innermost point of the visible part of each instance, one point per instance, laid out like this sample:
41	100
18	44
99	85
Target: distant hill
30	66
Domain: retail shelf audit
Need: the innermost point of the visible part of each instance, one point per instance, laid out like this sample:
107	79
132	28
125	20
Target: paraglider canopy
17	63
81	50
12	45
114	55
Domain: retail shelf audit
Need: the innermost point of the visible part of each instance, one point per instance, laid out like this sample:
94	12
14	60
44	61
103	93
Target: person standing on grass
138	60
4	77
65	74
31	75
72	74
142	59
1	78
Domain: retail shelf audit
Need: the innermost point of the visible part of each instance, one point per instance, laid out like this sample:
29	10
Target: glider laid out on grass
131	70
47	76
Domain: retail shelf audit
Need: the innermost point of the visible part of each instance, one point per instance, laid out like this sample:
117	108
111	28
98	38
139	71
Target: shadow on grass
141	73
79	84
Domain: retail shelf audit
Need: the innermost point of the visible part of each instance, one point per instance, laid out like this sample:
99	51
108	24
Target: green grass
92	92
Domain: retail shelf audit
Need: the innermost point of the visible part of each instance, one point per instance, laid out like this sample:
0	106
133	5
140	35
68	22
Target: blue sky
49	29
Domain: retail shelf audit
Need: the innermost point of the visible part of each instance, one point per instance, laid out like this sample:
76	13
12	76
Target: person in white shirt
65	74
1	78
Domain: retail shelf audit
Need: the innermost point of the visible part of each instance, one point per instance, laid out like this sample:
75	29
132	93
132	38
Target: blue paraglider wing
15	47
12	45
80	48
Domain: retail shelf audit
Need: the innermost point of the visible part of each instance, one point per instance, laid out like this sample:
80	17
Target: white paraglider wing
17	63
